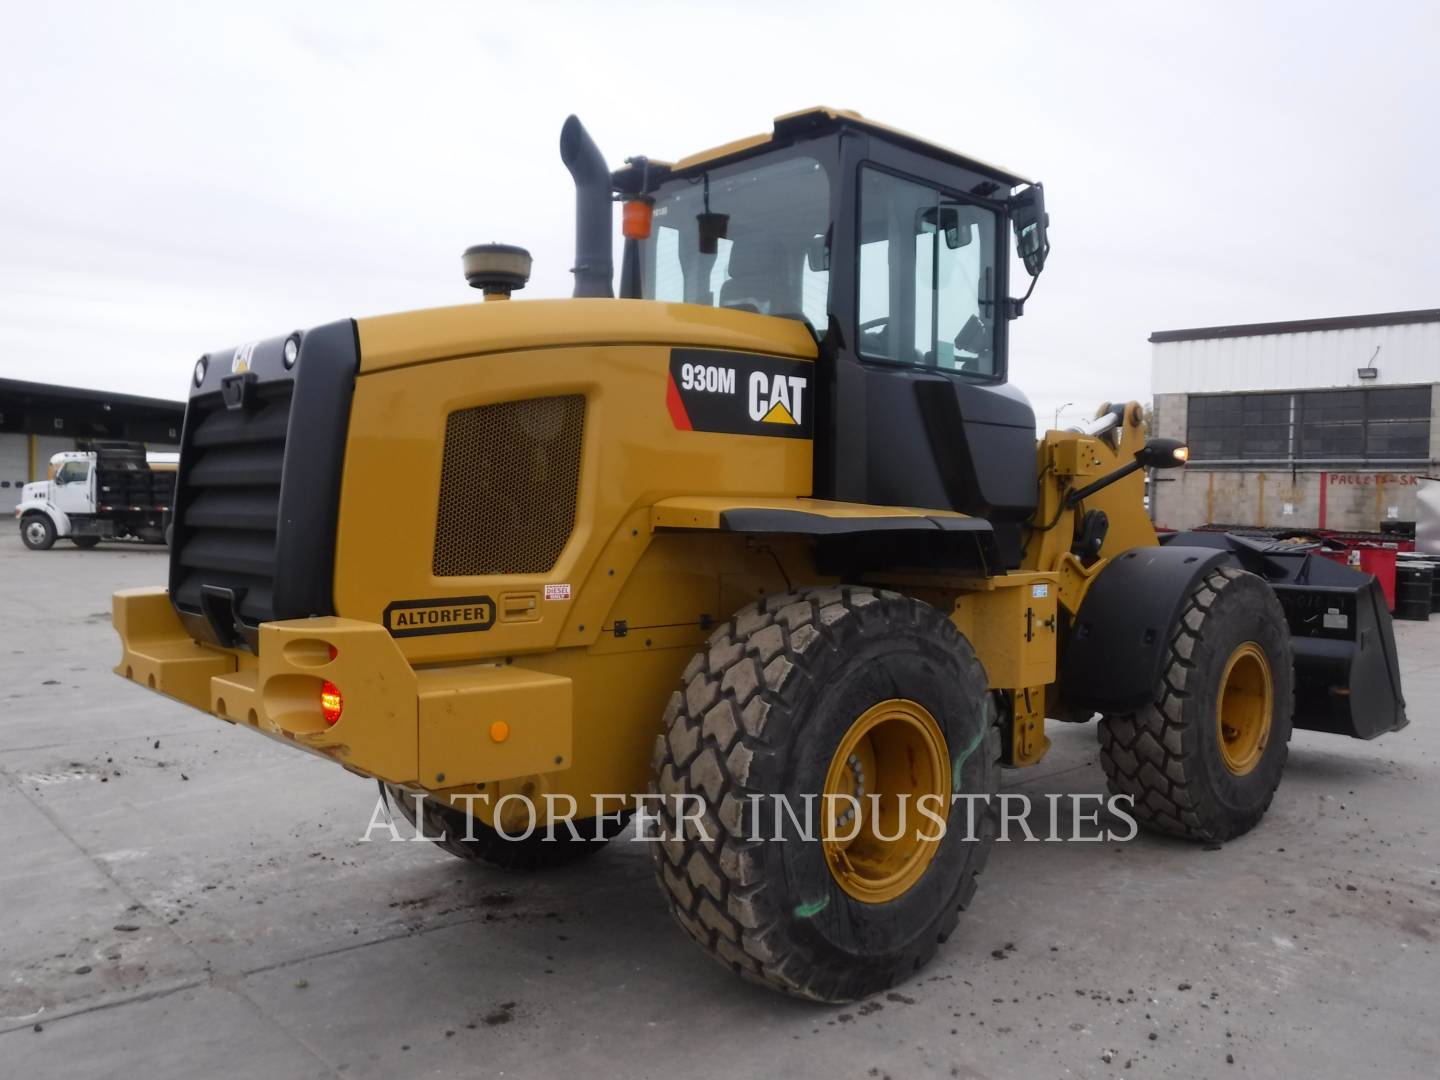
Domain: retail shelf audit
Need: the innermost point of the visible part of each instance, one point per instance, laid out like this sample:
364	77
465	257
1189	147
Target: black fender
1111	659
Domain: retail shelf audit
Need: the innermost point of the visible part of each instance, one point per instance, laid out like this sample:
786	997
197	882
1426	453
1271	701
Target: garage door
45	447
14	468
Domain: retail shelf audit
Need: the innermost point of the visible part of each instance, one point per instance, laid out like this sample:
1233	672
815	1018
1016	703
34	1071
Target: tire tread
716	892
1143	753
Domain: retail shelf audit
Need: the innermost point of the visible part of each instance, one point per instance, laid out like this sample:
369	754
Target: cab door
72	494
919	412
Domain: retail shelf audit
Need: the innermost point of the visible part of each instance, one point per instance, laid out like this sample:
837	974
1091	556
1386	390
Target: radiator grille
226	525
508	486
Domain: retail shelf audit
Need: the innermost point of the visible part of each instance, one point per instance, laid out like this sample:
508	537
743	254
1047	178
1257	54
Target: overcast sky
179	178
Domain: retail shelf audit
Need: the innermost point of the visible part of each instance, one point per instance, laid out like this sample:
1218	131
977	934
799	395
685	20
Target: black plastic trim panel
762	519
857	545
258	489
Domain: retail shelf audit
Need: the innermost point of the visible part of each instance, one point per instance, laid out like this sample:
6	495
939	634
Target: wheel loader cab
894	253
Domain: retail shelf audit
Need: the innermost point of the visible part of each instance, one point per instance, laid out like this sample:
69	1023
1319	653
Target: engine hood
391	341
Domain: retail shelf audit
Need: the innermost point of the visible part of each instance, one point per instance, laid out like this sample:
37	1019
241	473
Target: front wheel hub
877	842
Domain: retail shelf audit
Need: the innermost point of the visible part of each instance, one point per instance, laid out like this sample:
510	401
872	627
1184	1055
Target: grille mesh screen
508	486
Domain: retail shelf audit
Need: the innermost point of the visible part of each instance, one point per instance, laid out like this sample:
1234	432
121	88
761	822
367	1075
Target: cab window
927	291
751	237
73	472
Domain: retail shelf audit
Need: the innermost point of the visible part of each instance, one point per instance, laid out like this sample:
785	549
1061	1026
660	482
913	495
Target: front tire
1204	760
38	532
533	852
823	691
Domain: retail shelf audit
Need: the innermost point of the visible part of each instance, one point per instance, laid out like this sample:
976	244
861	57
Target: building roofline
20	387
1298	326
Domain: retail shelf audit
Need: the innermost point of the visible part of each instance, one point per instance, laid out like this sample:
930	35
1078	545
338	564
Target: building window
1332	424
1225	426
1380	425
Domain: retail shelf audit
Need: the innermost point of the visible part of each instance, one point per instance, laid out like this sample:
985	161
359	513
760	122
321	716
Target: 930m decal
453	615
740	393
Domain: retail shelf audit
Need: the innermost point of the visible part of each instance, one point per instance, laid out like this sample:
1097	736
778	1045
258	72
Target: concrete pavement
183	899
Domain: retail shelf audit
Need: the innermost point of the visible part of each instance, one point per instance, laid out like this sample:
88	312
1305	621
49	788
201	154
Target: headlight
292	350
200	366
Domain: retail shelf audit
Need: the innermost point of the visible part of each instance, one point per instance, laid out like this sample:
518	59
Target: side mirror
1163	454
946	219
817	253
1032	228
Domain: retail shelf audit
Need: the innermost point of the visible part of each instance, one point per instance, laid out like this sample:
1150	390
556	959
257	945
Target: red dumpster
1381	562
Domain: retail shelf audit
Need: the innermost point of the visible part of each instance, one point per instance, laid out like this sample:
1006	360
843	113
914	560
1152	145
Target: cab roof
820	120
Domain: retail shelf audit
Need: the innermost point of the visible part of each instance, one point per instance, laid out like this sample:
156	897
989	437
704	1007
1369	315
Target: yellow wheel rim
1247	700
893	756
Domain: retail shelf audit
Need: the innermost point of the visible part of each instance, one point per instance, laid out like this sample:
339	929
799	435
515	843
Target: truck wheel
1205	759
38	532
842	691
490	846
84	543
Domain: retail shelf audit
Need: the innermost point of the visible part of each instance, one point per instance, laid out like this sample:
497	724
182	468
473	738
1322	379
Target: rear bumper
434	728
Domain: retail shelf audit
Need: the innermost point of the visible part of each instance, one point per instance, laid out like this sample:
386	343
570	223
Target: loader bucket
1347	674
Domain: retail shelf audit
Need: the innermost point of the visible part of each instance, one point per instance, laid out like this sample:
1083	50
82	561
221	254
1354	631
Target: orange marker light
331	703
635	219
499	731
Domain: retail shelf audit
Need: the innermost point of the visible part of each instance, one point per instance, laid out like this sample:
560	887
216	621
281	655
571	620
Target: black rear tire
84	543
761	712
1170	757
533	852
38	532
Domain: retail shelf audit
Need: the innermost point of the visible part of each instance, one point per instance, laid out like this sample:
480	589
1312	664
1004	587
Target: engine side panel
632	453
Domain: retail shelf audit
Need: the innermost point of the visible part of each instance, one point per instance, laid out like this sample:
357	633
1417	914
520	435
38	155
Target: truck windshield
752	237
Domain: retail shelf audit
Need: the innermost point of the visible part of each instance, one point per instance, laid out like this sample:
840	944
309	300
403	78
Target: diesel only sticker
454	615
740	393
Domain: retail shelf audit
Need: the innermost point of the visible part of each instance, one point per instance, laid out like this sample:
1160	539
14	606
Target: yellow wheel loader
767	532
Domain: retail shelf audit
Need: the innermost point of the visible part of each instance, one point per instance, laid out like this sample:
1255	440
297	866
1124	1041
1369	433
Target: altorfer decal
453	615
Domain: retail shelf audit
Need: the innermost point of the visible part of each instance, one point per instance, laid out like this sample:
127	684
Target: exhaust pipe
594	268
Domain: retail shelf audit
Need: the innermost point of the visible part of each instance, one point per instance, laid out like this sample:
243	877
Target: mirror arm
1015	306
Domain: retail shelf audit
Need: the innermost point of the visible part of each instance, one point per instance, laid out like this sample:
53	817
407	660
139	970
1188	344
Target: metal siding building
1321	423
38	420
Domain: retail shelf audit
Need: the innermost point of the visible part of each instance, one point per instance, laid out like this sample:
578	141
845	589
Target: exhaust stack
594	268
